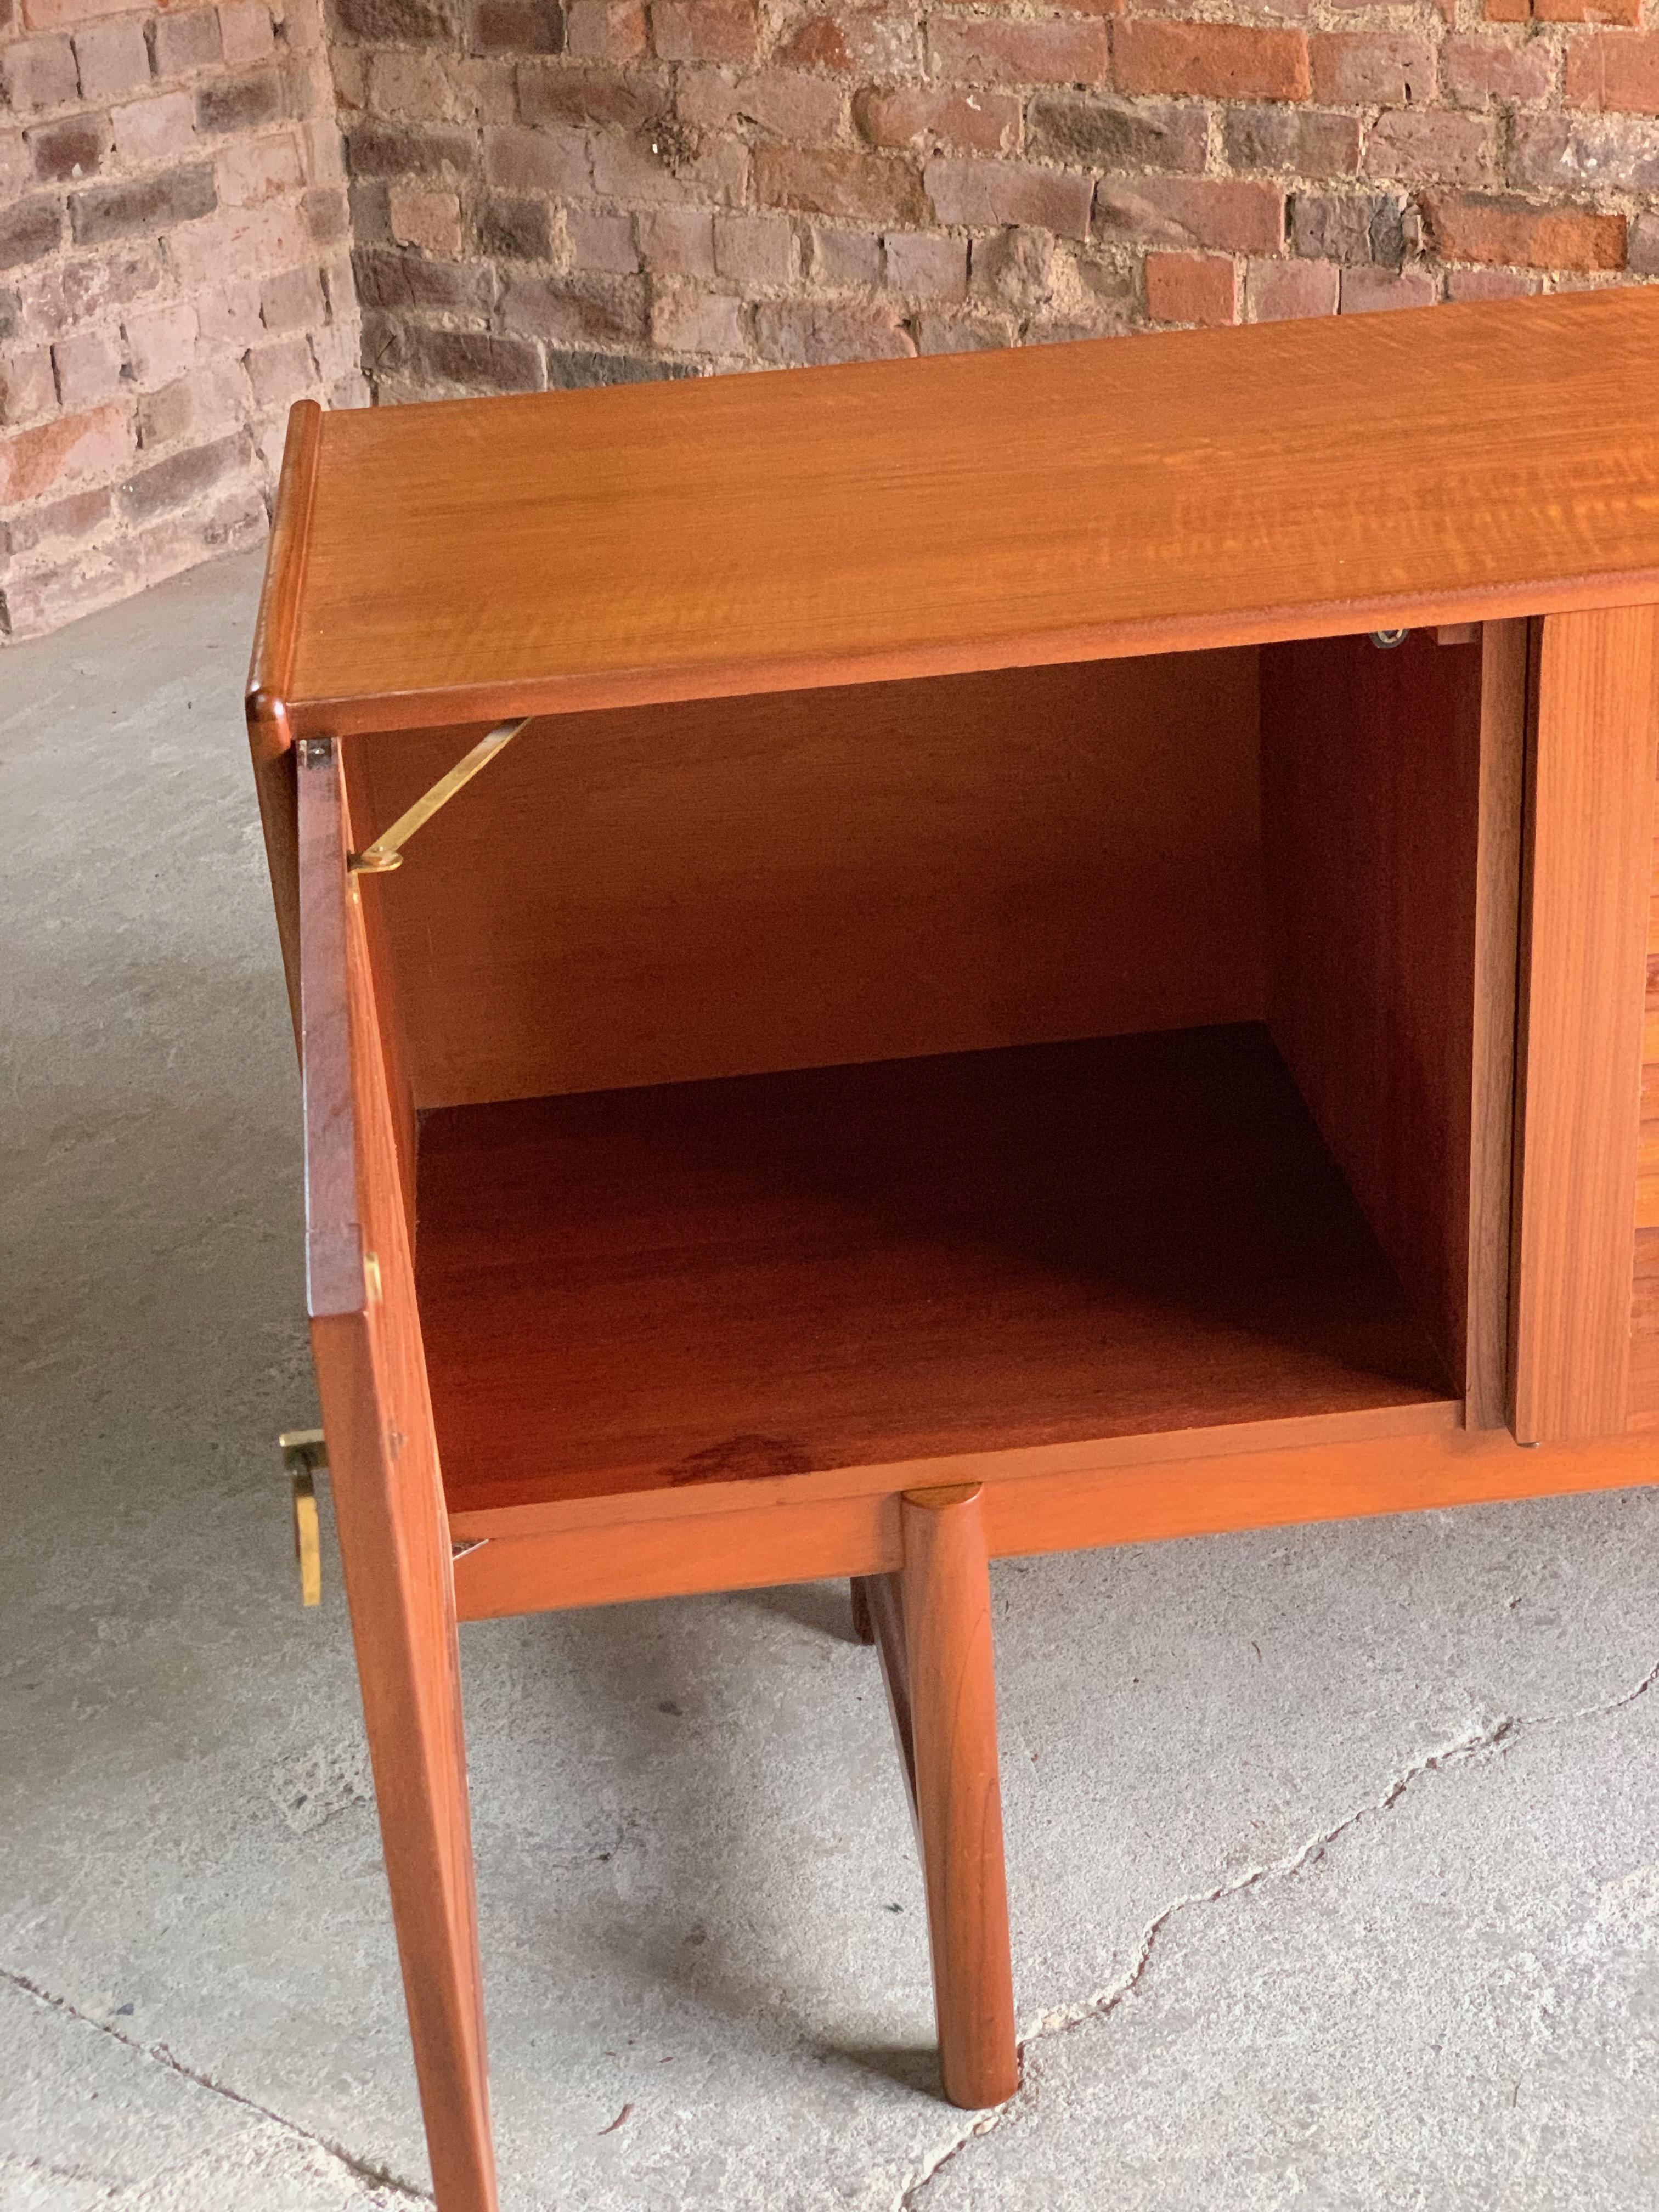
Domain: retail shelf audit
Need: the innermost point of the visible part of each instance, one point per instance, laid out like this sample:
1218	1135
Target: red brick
29	229
705	30
1488	284
187	40
657	167
605	242
1503	231
1230	214
34	461
1428	146
787	103
687	319
1507	11
1217	61
1365	68
244	33
155	130
813	330
161	344
1093	131
76	516
62	152
88	366
678	242
979	51
1587	11
754	249
111	57
924	268
1367	290
917	115
984	195
257	169
1191	288
605	30
1476	71
842	260
1281	291
960	333
27	385
39	73
1290	142
878	41
1609	71
563	94
878	187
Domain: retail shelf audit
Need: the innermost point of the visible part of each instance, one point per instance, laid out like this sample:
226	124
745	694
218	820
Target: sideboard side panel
1589	882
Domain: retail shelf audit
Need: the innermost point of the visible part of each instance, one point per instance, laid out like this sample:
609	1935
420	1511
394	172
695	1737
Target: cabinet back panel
738	886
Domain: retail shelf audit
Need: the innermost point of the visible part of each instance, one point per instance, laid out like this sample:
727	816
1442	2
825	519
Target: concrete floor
1335	1853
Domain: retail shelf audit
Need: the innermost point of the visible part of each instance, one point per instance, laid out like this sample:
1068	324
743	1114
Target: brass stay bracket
386	851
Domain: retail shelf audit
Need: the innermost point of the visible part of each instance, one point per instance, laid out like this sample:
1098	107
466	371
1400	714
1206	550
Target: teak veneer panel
729	886
389	1506
1391	791
689	539
647	1289
1588	884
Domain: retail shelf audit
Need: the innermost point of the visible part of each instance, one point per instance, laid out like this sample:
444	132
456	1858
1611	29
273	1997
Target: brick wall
173	272
556	193
565	191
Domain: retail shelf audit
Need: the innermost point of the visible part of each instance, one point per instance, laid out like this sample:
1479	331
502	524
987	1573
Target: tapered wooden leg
944	1702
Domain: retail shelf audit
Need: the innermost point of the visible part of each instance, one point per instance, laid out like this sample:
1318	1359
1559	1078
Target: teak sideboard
1057	957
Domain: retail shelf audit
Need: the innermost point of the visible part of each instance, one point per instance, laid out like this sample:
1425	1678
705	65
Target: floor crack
361	2169
1499	1736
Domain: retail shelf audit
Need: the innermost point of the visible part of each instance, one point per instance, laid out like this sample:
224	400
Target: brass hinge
305	1456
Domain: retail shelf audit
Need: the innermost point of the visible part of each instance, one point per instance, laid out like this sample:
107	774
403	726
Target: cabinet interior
972	1064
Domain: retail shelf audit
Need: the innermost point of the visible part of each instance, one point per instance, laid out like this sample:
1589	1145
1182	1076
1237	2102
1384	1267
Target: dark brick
75	146
513	230
240	103
29	228
517	27
11	314
477	359
389	279
420	22
592	95
147	204
182	476
327	214
1290	141
1098	133
77	516
576	372
187	40
374	152
1351	227
576	311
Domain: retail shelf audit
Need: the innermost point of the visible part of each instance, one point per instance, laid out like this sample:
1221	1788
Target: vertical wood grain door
387	1489
1586	887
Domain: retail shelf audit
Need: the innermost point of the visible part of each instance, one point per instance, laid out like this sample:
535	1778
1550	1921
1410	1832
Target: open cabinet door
388	1495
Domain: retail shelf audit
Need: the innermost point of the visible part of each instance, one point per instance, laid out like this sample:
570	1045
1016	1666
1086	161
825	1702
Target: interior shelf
841	1267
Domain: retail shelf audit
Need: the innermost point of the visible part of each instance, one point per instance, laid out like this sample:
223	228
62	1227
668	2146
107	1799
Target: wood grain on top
750	533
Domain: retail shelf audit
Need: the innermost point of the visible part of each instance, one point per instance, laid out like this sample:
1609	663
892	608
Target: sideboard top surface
552	551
